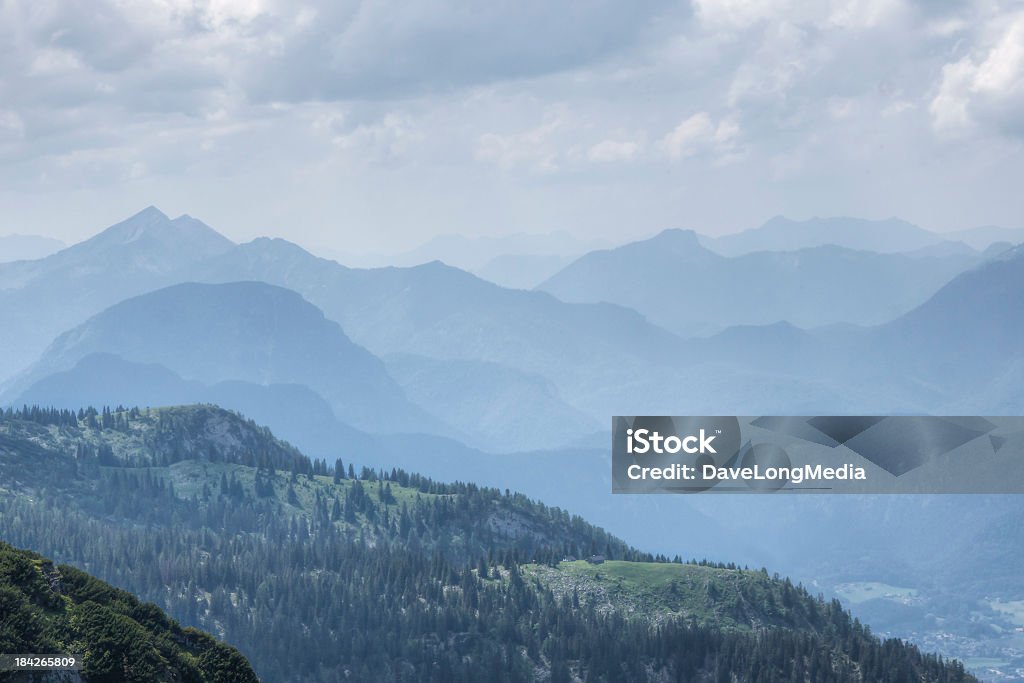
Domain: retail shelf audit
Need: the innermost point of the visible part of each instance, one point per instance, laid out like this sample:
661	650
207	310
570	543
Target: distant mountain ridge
968	333
473	253
957	351
509	361
889	236
248	331
42	298
592	354
679	284
785	234
441	312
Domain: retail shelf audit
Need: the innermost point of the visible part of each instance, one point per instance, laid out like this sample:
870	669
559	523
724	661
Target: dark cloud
396	48
97	32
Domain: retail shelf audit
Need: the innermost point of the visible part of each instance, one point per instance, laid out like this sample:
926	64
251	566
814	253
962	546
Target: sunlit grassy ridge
700	594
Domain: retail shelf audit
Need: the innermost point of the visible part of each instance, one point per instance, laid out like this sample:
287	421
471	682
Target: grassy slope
705	595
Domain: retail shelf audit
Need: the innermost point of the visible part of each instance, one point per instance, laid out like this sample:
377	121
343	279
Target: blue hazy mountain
490	406
105	379
495	405
958	352
248	331
42	298
982	237
784	234
522	271
432	311
27	247
967	338
689	289
588	351
147	243
596	359
473	253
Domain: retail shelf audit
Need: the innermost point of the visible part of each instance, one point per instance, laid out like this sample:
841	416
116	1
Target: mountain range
887	236
684	287
440	312
588	356
499	382
247	331
436	350
42	298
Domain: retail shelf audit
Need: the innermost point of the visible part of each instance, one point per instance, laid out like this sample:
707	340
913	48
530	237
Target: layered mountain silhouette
958	352
887	236
332	355
469	347
968	335
42	298
431	311
247	331
462	346
474	253
689	289
300	414
586	350
495	404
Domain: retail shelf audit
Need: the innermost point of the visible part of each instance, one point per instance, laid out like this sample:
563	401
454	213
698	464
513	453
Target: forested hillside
47	609
323	572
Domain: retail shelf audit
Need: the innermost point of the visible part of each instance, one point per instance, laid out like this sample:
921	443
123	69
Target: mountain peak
274	249
133	226
278	243
150	211
154	235
677	237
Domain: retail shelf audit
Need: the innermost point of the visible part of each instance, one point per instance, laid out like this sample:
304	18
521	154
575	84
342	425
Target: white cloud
742	14
535	148
865	14
700	135
985	87
12	123
608	151
690	136
779	62
49	62
387	139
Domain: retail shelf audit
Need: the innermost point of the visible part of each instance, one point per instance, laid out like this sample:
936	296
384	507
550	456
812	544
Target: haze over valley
439	371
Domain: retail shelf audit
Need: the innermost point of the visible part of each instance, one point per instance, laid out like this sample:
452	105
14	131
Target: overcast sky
375	125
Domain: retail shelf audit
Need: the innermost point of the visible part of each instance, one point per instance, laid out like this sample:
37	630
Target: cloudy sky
375	125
